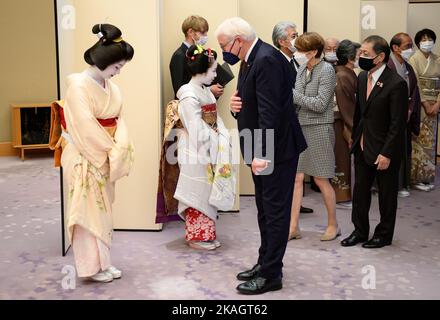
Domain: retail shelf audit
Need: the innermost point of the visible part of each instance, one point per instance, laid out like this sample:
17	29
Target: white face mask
427	46
406	54
301	58
331	57
292	46
202	41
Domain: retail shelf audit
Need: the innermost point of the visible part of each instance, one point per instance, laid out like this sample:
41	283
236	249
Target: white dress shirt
250	49
376	75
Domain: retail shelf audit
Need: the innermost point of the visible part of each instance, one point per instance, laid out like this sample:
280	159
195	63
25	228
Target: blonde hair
197	23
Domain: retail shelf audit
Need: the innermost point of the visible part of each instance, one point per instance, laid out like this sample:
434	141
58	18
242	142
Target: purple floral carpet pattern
161	266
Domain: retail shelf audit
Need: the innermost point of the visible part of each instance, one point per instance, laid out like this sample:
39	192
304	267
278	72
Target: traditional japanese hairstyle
199	60
109	49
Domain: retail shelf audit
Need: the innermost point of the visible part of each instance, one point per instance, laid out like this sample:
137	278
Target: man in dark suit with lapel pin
284	35
378	143
263	107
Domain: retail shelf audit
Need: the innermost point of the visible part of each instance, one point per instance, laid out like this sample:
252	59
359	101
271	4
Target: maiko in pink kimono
96	152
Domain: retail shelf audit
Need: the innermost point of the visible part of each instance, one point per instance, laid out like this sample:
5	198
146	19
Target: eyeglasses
224	45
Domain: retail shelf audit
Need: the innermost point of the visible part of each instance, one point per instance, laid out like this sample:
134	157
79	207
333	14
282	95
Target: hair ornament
100	34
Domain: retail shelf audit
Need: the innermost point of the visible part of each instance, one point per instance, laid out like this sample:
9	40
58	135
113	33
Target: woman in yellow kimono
96	153
427	68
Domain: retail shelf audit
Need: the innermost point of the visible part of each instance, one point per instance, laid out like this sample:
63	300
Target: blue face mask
231	58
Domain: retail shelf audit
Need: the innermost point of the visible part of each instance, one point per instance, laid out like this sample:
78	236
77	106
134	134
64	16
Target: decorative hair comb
200	50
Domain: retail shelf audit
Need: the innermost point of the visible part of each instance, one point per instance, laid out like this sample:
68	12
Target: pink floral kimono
96	153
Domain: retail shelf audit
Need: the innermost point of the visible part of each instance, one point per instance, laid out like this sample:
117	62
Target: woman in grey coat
313	97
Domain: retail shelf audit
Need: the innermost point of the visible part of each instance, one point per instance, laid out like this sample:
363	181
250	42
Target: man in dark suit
378	142
284	35
195	29
402	49
263	107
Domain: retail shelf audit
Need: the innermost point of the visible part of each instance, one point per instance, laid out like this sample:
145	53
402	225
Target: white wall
424	15
340	19
391	18
346	19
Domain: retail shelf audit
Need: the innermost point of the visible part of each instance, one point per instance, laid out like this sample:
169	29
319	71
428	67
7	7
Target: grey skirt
318	160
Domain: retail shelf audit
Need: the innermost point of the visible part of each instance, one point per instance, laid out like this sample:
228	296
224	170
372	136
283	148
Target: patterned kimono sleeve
121	156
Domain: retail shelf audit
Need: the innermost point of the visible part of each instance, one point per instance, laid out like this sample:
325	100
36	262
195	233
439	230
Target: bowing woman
96	152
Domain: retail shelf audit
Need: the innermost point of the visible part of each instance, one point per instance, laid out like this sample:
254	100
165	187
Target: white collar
376	74
250	49
186	44
396	62
287	57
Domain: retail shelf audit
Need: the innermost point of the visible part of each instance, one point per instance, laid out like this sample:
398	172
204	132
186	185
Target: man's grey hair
236	27
280	32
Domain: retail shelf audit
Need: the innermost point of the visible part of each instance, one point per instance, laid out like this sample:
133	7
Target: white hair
280	32
332	39
236	27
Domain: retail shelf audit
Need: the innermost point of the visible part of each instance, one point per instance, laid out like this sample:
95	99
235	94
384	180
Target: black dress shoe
352	240
260	285
305	210
376	243
249	274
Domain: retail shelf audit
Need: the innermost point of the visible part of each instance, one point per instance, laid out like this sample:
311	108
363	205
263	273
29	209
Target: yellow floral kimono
93	158
424	146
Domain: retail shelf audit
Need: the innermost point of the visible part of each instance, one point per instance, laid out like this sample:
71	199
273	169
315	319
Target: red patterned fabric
198	227
209	107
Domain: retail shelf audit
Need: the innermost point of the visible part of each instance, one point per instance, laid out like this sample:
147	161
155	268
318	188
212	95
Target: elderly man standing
263	106
330	48
283	37
401	50
378	136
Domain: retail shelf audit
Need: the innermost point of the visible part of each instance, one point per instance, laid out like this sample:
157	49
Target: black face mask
367	63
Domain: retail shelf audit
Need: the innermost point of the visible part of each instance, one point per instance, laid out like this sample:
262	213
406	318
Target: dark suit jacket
178	68
381	119
293	74
265	87
414	98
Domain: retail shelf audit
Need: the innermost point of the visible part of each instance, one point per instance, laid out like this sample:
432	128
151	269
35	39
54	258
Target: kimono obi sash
106	123
59	136
209	114
430	86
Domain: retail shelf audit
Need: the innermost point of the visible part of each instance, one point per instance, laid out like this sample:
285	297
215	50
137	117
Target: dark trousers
273	196
387	182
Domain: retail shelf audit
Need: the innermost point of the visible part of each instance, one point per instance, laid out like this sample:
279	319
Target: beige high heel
296	235
327	236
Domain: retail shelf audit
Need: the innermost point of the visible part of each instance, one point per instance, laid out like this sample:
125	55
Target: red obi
111	122
209	114
209	108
